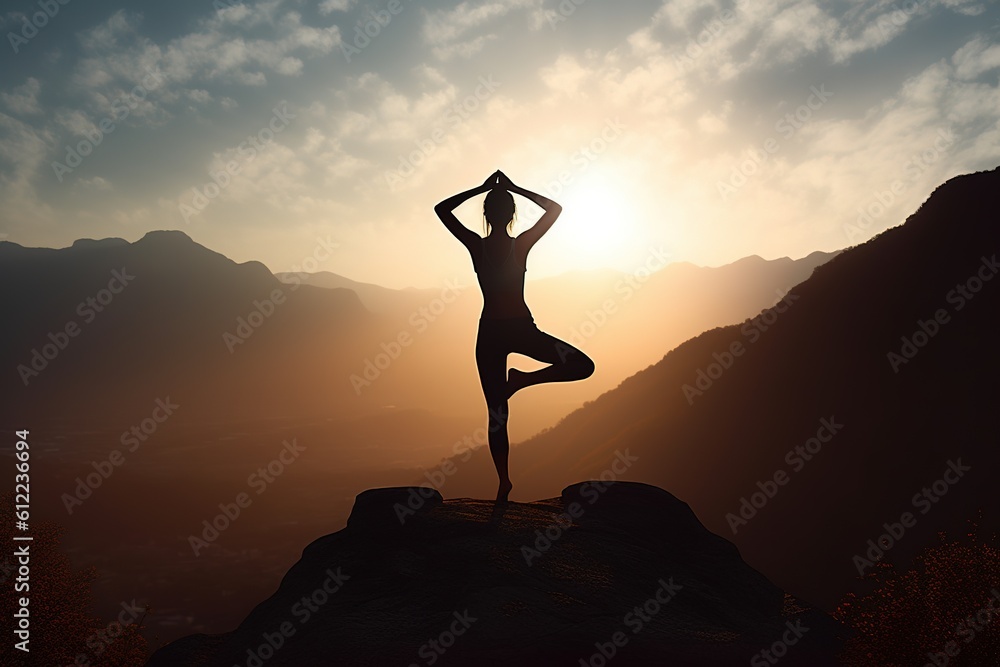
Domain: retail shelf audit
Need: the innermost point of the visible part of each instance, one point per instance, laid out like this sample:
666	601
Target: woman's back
502	282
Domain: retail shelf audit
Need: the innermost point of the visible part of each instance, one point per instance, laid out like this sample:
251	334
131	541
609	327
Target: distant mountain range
624	321
864	403
106	327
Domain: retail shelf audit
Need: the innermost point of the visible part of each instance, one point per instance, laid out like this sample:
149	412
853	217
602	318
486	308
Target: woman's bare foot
515	381
504	491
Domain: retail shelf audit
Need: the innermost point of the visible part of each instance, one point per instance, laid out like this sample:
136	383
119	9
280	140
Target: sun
598	218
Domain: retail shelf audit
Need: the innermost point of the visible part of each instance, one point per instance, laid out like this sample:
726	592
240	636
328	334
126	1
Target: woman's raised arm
551	208
445	208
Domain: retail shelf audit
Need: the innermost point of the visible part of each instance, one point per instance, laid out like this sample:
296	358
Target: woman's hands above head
499	180
504	181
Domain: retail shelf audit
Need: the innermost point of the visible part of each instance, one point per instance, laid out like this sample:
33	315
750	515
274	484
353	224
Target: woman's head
498	209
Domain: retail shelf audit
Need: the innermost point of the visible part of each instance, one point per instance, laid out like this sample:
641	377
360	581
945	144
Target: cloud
198	96
24	98
443	30
330	6
679	13
75	122
565	75
443	26
218	50
391	115
936	125
25	149
98	183
976	58
107	35
647	86
966	7
716	123
722	41
465	49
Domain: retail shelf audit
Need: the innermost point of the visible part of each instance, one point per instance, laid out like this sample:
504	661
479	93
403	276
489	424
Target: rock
608	569
391	507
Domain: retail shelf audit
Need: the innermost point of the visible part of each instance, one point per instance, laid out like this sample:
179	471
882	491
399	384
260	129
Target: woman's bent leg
567	362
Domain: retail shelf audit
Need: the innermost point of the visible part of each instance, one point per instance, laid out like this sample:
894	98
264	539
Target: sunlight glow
599	217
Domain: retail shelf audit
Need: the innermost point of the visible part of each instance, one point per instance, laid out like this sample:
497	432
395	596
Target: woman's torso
501	278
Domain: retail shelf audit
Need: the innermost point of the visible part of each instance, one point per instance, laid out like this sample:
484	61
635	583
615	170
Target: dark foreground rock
617	574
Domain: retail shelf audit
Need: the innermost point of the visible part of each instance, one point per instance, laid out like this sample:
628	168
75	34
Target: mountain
105	328
623	320
628	322
864	406
605	570
375	298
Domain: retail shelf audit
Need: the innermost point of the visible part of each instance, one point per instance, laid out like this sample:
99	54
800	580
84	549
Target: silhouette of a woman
506	325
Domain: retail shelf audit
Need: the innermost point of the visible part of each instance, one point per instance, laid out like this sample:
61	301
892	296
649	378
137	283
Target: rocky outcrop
620	573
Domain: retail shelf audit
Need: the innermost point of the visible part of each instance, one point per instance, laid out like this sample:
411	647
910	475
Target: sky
319	135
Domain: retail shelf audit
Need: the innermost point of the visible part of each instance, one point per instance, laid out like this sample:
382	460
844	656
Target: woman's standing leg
491	360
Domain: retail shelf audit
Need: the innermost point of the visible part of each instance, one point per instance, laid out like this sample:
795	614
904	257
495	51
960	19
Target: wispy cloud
24	98
446	30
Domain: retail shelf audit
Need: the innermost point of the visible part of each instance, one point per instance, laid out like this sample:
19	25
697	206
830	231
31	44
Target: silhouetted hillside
106	327
710	425
623	573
